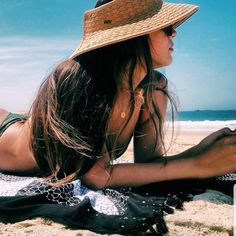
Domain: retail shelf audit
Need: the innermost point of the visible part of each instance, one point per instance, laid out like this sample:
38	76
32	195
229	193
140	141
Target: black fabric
189	186
141	214
144	208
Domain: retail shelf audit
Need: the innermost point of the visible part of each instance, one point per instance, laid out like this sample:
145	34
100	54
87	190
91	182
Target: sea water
207	115
206	119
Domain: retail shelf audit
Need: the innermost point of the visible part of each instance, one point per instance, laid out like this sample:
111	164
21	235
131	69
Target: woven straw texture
120	20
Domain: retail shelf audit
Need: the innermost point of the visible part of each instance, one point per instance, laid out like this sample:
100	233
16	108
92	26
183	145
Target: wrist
183	167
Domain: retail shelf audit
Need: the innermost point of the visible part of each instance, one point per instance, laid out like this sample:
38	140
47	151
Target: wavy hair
70	114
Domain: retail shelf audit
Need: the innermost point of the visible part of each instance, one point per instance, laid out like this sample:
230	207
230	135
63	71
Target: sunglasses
169	30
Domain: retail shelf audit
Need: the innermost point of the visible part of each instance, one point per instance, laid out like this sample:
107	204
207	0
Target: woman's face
161	46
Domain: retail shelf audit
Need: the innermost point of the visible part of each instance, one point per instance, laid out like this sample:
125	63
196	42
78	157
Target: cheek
161	55
156	52
159	46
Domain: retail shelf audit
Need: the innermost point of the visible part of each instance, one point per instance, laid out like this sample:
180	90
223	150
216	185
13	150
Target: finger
229	140
217	135
226	131
222	133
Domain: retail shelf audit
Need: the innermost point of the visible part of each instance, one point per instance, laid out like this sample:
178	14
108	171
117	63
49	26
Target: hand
209	140
216	154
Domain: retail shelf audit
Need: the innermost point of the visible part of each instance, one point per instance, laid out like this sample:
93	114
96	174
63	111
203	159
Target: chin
164	64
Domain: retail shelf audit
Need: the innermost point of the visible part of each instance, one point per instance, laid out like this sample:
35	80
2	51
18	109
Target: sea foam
205	125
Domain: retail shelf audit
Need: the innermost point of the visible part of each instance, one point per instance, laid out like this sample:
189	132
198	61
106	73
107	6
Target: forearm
214	156
145	173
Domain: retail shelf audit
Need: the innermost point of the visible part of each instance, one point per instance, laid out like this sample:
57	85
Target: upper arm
147	136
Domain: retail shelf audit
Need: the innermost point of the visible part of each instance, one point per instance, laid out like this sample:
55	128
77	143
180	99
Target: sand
210	213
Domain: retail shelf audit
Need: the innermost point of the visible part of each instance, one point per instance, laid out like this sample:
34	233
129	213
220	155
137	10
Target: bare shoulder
159	81
3	114
158	86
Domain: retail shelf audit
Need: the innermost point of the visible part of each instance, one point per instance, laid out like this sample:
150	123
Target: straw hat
120	20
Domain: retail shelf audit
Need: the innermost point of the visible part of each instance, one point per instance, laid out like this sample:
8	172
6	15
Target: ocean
207	115
210	120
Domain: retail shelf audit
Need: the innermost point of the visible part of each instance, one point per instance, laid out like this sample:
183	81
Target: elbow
96	181
92	184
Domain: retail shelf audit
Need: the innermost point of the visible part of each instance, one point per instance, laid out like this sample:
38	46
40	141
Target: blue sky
36	35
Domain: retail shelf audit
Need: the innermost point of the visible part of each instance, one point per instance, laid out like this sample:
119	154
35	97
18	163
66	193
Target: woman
91	105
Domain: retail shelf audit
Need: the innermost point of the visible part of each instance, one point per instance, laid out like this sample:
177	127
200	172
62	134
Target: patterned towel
73	204
122	211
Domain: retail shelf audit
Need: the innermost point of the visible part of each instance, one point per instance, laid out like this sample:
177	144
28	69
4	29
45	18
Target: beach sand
210	213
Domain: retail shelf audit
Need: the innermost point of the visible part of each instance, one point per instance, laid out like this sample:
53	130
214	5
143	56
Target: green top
9	120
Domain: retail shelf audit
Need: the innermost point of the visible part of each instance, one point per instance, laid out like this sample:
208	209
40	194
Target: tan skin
215	155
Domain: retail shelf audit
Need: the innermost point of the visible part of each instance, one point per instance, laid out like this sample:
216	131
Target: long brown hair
71	112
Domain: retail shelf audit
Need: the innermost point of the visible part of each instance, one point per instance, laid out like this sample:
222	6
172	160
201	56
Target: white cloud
24	62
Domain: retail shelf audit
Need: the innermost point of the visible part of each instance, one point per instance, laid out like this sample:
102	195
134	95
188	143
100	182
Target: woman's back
15	151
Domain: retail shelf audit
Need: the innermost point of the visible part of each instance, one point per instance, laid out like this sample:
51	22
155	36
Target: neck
138	76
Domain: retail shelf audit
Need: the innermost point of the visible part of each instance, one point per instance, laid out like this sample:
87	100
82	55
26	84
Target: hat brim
169	14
